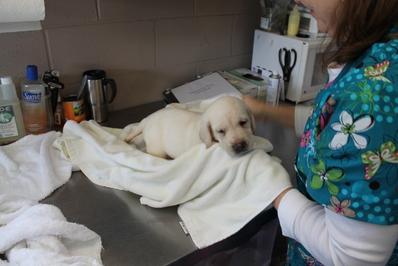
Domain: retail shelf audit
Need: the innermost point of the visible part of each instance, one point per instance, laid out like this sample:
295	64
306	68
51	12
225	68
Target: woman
346	212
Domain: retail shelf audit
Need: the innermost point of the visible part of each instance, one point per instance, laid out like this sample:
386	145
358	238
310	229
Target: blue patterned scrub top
348	156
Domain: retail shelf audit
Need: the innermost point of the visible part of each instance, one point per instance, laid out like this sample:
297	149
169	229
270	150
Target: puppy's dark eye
221	131
242	123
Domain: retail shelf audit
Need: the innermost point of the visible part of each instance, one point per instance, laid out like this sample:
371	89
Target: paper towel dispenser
21	15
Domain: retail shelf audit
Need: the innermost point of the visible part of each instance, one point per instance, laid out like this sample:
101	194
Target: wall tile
228	63
143	86
243	33
137	86
215	36
116	46
220	7
170	44
176	41
182	41
20	49
70	12
144	9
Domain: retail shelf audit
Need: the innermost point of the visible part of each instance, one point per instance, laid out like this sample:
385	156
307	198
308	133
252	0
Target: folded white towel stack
42	236
38	234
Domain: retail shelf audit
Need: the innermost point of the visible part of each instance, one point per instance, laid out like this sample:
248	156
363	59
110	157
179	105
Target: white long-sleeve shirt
332	238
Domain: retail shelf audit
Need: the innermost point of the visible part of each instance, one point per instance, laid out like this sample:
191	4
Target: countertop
133	234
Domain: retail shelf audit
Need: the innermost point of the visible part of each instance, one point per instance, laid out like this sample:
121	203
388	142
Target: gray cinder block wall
145	45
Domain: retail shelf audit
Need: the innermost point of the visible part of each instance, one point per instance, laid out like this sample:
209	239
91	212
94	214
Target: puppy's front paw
129	138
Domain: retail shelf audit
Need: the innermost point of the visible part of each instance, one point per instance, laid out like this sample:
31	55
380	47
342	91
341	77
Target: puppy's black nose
239	147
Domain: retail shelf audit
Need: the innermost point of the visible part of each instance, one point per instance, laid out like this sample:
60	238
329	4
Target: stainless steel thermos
98	92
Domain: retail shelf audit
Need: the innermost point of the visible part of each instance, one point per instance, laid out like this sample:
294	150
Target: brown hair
359	24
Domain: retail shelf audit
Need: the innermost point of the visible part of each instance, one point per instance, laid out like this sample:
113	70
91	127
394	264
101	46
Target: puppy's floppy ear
205	131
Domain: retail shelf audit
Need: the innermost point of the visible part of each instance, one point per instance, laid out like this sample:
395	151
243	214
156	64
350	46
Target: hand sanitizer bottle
294	22
11	121
34	103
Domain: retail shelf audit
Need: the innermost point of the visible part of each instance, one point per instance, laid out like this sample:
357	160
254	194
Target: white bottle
273	92
262	93
34	103
11	121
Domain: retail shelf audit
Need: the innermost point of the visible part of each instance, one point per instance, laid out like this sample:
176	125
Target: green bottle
11	121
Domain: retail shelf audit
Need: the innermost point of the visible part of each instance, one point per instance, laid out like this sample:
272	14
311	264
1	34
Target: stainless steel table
133	234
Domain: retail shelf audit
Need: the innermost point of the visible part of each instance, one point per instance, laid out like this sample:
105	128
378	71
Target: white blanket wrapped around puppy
217	194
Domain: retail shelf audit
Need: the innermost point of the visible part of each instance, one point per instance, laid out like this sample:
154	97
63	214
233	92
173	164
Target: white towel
13	206
40	235
32	168
217	194
32	233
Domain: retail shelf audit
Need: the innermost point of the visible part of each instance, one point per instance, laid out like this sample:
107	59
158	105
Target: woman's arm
332	238
283	114
287	115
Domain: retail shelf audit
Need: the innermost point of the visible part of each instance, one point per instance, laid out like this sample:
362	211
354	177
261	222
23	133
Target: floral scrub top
348	159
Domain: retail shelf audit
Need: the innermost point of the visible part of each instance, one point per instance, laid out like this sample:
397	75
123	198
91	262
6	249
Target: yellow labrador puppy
170	132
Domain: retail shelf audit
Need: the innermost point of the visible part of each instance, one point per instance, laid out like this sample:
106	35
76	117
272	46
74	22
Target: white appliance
307	77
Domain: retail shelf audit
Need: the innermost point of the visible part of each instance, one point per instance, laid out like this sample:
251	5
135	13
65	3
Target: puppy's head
229	122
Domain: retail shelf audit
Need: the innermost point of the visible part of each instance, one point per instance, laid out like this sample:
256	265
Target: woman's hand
279	198
258	108
282	114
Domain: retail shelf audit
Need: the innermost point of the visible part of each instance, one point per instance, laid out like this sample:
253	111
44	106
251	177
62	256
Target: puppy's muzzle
240	147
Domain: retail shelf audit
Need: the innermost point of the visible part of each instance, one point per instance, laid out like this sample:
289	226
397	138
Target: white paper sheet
204	88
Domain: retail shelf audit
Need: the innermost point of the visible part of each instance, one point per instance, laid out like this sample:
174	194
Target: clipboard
207	87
